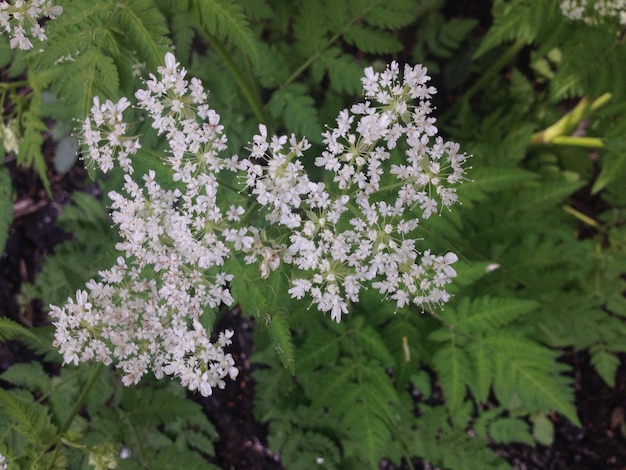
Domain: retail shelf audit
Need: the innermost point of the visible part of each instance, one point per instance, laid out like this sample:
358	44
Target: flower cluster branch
354	229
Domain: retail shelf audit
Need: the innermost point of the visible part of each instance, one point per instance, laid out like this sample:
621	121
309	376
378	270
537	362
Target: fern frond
392	14
523	19
11	330
297	109
505	430
528	372
149	406
319	349
453	369
278	327
482	370
311	28
487	314
547	194
372	344
30	376
226	20
29	418
145	27
172	457
30	153
372	40
344	73
605	363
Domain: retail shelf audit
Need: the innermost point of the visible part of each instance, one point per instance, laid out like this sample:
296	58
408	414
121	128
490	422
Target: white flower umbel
350	232
145	312
20	19
334	237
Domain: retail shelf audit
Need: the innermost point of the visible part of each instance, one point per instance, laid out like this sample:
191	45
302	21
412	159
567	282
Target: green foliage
65	272
543	255
41	428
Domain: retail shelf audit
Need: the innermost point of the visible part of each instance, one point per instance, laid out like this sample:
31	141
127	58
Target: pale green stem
582	217
558	133
586	142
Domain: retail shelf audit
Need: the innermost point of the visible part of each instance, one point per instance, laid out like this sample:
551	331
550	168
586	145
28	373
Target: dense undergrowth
526	90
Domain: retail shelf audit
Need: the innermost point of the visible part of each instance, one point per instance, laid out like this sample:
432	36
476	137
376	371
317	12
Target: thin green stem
586	142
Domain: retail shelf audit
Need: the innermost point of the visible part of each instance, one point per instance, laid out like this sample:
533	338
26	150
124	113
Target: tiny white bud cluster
21	20
354	229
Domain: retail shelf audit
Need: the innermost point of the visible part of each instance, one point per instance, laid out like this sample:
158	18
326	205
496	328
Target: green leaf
452	367
311	27
226	20
520	20
29	418
505	430
613	169
486	314
372	40
297	109
373	345
543	430
12	330
548	194
528	372
605	363
278	327
145	28
148	406
320	348
30	376
30	153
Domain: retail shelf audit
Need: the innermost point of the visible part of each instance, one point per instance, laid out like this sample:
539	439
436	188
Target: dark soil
599	444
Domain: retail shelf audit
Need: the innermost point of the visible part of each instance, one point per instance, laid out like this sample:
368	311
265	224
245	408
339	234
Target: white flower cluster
356	228
146	310
593	12
21	20
361	233
3	463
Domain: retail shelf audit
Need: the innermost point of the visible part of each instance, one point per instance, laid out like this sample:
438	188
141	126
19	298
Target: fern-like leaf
11	330
278	327
487	314
148	406
453	369
226	20
145	27
528	372
297	109
605	363
29	418
30	376
311	27
372	40
523	19
319	349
